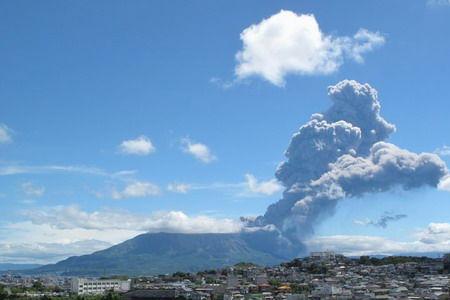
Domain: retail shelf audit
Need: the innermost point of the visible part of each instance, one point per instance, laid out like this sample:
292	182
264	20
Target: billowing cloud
198	150
141	145
5	134
434	238
32	190
288	43
181	188
341	153
137	189
266	188
383	221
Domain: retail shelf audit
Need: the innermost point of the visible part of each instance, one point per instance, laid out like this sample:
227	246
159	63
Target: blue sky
80	78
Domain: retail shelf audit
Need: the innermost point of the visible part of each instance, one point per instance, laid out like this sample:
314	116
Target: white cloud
39	241
267	188
224	84
181	188
5	134
250	187
43	226
198	150
443	151
6	170
54	233
138	189
72	217
438	2
356	245
444	185
47	252
142	145
288	43
32	190
434	238
363	41
436	234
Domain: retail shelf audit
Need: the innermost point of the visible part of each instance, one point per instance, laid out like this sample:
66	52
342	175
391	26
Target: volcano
163	253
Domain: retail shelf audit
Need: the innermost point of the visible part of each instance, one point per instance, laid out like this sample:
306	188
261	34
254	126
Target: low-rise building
82	286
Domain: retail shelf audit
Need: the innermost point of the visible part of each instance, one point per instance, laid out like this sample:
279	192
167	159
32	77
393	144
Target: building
82	286
154	294
324	255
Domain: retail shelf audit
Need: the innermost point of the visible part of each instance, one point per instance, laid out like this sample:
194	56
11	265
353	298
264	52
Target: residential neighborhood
322	275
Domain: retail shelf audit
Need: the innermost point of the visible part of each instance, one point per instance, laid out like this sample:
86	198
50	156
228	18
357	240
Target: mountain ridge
161	253
17	267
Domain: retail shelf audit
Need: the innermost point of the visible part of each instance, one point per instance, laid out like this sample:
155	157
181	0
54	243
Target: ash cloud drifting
342	153
383	221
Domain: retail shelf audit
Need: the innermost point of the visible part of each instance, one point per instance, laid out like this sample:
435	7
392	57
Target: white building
324	255
83	286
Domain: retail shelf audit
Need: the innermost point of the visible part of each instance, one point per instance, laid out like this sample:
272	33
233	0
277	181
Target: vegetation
296	263
108	296
274	282
300	288
163	253
3	293
393	260
116	277
317	268
447	263
244	265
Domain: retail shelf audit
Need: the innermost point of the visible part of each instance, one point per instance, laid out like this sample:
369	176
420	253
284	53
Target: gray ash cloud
343	153
383	221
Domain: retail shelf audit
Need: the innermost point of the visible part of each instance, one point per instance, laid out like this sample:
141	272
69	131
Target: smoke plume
342	153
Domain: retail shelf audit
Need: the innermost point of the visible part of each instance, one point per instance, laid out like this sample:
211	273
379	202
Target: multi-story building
83	286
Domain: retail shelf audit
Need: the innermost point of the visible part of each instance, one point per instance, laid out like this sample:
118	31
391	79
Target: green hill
161	253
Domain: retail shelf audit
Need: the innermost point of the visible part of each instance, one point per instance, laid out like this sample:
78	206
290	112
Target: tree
447	263
274	282
3	293
364	260
110	296
300	288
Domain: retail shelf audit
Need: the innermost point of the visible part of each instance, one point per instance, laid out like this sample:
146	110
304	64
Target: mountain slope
17	267
160	253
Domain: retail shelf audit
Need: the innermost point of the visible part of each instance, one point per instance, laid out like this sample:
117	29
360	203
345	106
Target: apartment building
83	286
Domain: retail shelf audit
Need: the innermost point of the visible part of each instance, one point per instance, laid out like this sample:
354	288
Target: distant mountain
161	253
18	267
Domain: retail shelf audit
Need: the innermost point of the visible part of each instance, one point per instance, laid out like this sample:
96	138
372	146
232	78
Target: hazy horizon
318	120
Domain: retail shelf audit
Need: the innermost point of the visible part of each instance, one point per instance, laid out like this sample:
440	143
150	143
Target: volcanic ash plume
341	153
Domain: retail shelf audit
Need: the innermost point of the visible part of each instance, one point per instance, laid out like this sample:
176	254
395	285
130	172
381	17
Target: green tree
300	289
274	282
447	263
38	286
110	296
3	293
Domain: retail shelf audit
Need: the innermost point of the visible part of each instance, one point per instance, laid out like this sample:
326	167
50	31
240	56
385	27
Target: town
322	275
